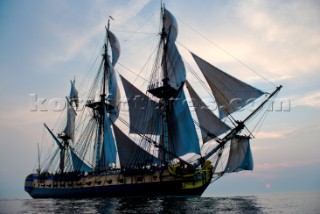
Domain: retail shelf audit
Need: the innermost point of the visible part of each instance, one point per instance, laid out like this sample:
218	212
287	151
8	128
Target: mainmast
164	92
178	135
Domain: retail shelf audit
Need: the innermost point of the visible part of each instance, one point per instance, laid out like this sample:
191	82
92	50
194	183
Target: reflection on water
265	203
246	204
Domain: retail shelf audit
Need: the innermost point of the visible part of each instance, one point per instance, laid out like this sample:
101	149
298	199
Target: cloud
287	34
311	99
79	39
285	131
280	41
285	164
275	134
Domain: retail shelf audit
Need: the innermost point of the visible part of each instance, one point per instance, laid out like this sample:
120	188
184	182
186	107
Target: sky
44	44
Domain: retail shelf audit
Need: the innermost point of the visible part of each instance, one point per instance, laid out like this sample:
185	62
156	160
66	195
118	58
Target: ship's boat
164	141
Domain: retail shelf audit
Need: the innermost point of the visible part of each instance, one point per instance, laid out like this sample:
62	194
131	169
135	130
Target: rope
226	52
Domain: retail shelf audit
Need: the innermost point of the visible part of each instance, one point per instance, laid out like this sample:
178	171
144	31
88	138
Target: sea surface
261	203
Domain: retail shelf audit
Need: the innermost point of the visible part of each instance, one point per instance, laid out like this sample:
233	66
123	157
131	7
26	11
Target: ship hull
149	189
117	185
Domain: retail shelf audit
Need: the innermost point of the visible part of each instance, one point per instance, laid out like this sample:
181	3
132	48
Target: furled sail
182	134
78	164
130	154
231	94
175	66
115	46
210	125
240	156
142	111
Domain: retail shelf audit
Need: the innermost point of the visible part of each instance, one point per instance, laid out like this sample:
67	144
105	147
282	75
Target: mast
165	134
106	108
102	102
105	58
63	148
39	169
178	134
164	92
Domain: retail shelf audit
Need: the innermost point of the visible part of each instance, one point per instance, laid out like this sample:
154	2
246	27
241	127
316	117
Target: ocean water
263	203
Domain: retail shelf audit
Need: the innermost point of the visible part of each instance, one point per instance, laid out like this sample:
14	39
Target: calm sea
263	203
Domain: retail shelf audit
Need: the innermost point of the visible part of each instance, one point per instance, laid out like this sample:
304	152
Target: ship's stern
28	184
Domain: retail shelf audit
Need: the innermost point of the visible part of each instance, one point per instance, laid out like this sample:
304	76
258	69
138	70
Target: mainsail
183	135
109	152
231	94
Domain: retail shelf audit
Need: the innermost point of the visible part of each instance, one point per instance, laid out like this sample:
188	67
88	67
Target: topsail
175	65
113	95
115	46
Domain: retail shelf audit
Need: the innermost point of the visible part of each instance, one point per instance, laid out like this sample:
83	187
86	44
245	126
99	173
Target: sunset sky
45	44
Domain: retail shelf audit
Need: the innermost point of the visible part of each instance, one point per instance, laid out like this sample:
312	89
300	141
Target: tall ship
163	141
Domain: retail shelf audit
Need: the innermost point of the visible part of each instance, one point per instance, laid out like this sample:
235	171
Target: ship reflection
238	204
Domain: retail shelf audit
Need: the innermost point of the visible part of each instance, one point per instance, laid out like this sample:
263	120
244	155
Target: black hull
119	184
173	188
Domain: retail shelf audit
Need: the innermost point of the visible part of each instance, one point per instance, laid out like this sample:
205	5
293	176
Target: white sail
142	111
71	114
231	94
211	126
70	126
115	46
240	156
130	154
182	131
175	66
